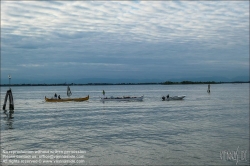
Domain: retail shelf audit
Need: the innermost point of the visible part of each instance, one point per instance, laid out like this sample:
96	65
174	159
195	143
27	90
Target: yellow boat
67	99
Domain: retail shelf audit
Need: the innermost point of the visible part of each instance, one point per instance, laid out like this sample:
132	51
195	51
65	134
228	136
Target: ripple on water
152	132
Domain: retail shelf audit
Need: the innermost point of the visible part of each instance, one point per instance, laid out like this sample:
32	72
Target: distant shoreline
162	83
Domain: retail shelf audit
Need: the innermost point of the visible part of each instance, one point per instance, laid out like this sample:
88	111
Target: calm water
152	132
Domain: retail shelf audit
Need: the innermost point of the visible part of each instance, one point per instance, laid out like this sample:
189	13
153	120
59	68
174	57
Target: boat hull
67	99
174	98
123	99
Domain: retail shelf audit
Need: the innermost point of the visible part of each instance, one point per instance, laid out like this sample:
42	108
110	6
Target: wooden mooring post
11	101
208	88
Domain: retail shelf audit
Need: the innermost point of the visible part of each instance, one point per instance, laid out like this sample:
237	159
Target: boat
66	99
173	98
55	99
124	98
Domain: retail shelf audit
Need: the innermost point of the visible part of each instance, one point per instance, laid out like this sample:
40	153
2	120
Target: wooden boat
173	98
124	98
66	99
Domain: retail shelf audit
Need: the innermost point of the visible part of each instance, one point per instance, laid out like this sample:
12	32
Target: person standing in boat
168	96
103	93
55	95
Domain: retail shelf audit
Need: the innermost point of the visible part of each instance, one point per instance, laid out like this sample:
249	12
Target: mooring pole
208	88
5	100
11	101
9	79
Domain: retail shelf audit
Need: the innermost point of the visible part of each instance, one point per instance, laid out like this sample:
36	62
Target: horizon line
151	83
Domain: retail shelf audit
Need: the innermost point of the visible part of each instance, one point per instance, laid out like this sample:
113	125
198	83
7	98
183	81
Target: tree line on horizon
152	83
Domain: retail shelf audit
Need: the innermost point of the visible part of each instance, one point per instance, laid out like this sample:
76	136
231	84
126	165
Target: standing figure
208	88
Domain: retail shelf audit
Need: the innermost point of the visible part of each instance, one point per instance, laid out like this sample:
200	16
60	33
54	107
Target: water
193	131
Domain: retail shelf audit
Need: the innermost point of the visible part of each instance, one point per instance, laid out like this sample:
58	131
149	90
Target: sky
76	41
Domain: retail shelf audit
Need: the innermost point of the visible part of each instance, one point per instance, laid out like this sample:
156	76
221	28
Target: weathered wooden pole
9	94
5	100
11	101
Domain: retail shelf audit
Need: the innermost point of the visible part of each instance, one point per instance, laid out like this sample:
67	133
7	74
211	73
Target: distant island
162	83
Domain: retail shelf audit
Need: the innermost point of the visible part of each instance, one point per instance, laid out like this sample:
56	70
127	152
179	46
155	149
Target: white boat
173	98
124	98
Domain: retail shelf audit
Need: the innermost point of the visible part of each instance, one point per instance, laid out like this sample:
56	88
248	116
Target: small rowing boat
66	99
124	98
173	98
59	99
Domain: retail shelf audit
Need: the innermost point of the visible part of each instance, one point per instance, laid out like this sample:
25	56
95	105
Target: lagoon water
194	131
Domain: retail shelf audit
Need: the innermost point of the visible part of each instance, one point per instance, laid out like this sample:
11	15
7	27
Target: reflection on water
8	119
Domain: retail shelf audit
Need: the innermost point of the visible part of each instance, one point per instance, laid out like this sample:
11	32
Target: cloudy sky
161	40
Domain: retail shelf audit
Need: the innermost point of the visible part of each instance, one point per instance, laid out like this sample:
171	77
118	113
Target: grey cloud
156	36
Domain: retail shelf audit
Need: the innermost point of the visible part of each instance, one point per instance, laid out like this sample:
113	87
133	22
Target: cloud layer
124	39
